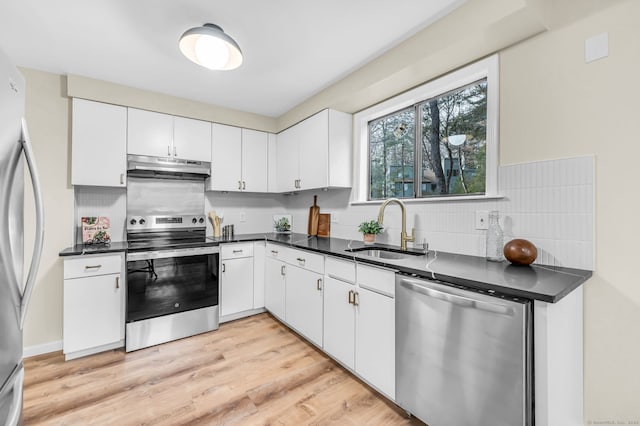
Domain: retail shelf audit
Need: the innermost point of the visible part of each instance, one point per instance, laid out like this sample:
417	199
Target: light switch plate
596	47
482	219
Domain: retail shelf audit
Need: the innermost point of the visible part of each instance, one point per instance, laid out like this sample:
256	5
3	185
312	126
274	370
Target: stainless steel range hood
168	168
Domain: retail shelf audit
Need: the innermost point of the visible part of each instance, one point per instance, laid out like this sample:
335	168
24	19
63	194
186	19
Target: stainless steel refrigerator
15	151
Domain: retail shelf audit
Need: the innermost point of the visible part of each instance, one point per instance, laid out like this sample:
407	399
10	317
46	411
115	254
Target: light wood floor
252	371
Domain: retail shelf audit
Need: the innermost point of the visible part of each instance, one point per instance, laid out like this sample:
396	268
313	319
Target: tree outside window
448	151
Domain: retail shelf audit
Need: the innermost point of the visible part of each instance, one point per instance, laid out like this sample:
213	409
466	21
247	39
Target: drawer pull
117	282
301	260
283	270
274	252
351	297
224	268
319	284
237	251
355	299
93	267
240	184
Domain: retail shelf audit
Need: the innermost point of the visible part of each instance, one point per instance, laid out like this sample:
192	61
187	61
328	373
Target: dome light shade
210	47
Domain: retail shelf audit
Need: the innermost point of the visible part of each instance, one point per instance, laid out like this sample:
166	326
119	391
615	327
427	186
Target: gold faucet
403	235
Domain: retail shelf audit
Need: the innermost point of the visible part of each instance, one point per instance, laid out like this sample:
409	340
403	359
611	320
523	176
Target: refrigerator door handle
39	237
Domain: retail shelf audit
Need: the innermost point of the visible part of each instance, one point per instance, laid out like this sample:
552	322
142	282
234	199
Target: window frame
487	68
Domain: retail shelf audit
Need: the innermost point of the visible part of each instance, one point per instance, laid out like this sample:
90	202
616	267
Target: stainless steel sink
385	253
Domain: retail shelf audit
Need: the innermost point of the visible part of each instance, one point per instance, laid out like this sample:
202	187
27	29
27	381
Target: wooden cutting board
324	225
314	216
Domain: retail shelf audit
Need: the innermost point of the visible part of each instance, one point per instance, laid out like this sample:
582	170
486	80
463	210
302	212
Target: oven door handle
164	254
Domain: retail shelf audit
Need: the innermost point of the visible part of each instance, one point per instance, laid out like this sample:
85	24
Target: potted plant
369	230
282	225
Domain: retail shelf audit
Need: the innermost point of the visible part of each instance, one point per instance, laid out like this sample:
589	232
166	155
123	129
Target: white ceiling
292	48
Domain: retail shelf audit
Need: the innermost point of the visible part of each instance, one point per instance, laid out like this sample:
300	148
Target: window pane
454	133
391	155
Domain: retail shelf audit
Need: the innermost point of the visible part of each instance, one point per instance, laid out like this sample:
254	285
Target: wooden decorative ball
520	252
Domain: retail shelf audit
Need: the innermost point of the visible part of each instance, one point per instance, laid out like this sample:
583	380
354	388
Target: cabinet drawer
306	260
342	269
381	280
276	251
236	251
88	266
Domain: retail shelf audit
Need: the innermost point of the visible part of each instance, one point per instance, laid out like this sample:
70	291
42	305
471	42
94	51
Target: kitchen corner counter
82	249
537	282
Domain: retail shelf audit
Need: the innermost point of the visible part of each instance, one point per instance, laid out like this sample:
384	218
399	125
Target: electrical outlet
243	217
482	219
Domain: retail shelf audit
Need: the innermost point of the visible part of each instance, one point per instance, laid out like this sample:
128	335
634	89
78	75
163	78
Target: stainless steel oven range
172	280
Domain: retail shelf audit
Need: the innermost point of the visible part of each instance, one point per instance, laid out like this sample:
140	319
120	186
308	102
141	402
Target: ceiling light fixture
210	47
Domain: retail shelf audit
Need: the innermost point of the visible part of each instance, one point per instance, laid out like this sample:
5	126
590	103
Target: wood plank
250	371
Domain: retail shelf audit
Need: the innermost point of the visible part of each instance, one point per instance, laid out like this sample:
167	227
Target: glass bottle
495	238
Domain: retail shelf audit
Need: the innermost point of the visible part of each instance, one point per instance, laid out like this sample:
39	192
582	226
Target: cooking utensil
314	217
324	225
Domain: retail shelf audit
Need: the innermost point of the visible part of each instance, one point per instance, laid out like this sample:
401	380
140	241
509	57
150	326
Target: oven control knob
142	221
194	220
201	220
133	221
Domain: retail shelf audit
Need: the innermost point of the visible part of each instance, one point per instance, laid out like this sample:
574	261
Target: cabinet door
149	133
314	151
375	340
254	160
191	139
226	158
99	144
274	287
287	161
92	312
339	321
237	286
304	302
259	256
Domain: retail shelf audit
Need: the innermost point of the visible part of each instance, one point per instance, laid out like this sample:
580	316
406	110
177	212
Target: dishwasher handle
462	301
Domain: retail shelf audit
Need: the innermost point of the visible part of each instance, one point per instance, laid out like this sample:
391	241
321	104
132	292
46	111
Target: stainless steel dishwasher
462	358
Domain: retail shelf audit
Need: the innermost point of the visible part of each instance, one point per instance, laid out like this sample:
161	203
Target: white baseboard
43	348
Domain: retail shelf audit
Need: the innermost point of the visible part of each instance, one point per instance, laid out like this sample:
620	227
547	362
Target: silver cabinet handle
274	252
39	240
169	150
351	297
224	268
356	302
121	178
301	260
299	183
175	152
93	267
319	284
117	282
237	251
283	270
240	185
244	185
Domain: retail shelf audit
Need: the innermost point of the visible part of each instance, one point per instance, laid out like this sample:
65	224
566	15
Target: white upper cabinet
163	135
99	144
226	158
191	139
149	133
239	160
254	160
315	153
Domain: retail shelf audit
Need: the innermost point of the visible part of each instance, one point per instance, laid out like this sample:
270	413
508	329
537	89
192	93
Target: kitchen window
438	140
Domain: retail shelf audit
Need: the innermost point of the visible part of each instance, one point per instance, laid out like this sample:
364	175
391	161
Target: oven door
171	294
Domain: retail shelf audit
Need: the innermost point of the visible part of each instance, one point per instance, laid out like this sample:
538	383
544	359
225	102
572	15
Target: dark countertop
80	249
538	282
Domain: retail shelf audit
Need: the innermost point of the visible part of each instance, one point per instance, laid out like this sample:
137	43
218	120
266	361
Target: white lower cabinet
274	287
236	279
339	321
303	302
375	340
94	294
